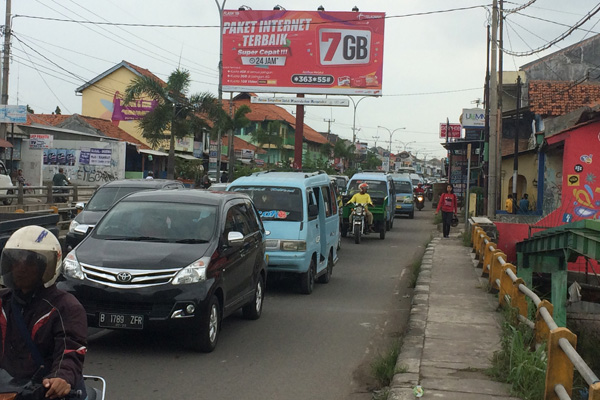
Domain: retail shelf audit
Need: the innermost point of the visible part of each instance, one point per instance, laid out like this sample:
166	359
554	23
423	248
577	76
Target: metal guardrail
48	193
512	291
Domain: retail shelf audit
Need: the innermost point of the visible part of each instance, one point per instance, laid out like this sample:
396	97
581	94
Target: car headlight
193	273
293	245
73	225
71	266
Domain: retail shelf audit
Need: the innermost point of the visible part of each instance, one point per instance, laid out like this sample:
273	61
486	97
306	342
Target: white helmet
34	245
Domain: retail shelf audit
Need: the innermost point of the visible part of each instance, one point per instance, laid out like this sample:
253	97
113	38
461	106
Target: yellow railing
562	356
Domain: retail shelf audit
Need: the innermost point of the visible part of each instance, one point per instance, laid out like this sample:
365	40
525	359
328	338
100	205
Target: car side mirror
235	239
313	210
79	206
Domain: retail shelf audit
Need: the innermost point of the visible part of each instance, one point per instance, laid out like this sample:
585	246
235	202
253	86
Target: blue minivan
301	213
404	195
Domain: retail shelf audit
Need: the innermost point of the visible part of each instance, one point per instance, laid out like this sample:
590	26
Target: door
238	263
313	234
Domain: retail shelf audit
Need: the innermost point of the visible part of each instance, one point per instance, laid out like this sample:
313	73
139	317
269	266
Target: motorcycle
57	191
419	201
358	221
13	389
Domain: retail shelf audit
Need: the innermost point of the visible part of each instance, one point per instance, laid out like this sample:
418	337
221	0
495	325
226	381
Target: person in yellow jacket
364	198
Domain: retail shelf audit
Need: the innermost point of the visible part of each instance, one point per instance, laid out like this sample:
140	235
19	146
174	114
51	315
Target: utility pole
329	121
375	137
516	156
220	86
5	61
493	145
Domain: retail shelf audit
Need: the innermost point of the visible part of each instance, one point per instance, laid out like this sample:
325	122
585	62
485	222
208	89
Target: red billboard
455	130
318	52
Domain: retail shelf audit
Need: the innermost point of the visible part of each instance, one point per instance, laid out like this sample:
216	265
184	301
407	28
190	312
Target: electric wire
211	71
561	37
48	86
524	6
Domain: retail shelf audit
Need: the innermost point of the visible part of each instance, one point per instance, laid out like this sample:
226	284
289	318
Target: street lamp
355	104
391	133
406	144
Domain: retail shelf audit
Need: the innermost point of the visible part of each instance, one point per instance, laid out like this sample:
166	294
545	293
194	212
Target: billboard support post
299	134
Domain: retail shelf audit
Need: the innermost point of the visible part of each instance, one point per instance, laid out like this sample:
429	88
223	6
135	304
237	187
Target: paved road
304	347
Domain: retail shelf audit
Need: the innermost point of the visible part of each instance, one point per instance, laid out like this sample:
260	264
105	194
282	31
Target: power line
589	15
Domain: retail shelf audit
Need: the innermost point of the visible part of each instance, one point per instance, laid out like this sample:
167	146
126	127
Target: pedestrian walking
448	205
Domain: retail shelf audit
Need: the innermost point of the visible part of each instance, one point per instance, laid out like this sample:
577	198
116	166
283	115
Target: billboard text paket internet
316	52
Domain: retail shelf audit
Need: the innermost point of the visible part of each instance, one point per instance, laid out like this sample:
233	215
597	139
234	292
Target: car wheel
392	222
329	270
253	310
307	279
8	202
411	215
209	325
339	244
382	232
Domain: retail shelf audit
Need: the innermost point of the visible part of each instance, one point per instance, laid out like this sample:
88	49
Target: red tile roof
554	98
103	125
241	144
271	112
146	72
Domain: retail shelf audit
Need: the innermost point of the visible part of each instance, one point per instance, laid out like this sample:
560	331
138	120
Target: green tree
371	162
326	150
228	124
174	111
270	136
345	152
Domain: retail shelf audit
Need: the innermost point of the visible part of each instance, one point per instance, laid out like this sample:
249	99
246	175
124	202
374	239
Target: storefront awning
186	156
5	143
154	152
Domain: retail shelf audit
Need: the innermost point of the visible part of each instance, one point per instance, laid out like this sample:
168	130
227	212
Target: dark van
104	197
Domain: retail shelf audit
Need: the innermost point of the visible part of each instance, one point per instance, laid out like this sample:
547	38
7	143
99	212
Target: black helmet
454	222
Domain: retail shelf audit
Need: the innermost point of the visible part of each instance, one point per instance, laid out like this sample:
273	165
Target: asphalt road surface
317	346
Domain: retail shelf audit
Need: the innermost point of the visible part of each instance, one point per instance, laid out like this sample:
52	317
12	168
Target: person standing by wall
449	207
508	204
524	204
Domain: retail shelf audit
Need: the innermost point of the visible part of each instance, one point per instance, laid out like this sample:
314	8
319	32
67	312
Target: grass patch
588	349
466	239
515	363
383	367
415	269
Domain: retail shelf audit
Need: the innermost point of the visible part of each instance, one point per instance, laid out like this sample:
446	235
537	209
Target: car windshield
158	221
376	188
403	187
105	197
341	182
275	203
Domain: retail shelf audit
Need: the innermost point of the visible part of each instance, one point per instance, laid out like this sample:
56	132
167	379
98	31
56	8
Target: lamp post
355	104
221	7
391	133
406	144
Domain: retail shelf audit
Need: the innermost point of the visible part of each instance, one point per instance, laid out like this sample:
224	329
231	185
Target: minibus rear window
275	203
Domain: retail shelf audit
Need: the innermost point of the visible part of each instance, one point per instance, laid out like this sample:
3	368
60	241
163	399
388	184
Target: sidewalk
453	330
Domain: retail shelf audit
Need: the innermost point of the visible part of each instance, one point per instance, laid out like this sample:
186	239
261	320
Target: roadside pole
468	195
5	64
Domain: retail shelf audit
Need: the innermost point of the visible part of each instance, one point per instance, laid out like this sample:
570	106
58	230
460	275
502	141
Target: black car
179	258
104	197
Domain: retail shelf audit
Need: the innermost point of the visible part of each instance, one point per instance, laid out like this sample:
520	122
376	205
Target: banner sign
293	101
10	114
473	118
135	111
320	52
454	131
40	141
100	157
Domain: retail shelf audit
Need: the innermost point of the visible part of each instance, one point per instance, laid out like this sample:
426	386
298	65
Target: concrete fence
562	357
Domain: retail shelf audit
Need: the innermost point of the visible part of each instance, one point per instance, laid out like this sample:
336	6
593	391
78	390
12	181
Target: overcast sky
434	58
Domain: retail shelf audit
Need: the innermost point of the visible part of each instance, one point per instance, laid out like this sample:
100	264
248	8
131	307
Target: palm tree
173	113
270	136
343	151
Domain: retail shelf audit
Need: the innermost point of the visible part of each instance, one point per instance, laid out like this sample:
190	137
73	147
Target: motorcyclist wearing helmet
364	198
41	326
419	189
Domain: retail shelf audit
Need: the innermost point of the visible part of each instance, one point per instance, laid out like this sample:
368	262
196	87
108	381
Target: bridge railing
562	357
48	194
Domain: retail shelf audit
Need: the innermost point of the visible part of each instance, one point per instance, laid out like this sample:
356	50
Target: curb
411	353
